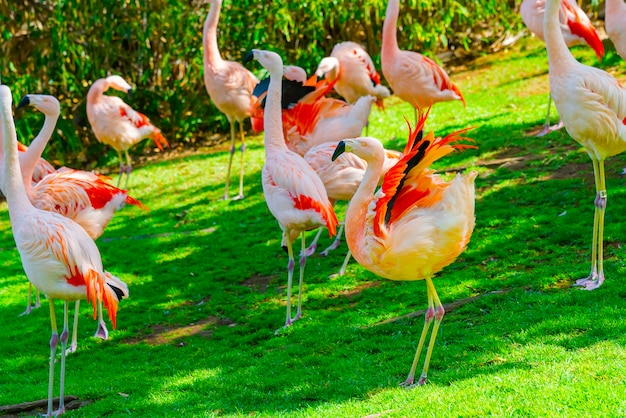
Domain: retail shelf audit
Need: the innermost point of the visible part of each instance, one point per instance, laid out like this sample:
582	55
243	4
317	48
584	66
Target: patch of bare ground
38	408
169	334
357	290
258	283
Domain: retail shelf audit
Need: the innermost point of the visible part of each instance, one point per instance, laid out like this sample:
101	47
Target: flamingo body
615	24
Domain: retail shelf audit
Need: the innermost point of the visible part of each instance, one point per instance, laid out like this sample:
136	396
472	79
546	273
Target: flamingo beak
341	148
249	57
129	92
23	103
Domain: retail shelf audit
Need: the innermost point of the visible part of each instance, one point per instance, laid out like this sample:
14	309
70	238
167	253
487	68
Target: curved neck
209	35
357	210
96	90
12	184
272	118
28	159
390	40
558	52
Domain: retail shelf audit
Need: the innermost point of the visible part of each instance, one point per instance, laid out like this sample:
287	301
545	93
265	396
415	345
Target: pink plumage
615	24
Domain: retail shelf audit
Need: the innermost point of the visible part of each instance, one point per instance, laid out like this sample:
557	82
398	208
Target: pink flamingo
42	167
413	77
85	197
117	124
354	71
230	87
58	256
294	194
592	105
576	28
416	224
615	24
341	179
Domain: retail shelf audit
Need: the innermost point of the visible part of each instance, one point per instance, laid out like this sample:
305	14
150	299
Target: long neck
357	211
28	159
96	90
558	52
12	184
614	6
212	55
272	118
390	40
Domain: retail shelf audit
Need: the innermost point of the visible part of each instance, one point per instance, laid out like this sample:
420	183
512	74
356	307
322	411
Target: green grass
207	281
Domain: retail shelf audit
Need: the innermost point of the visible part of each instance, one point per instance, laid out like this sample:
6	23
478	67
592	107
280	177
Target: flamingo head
294	73
365	147
327	65
48	105
271	61
118	83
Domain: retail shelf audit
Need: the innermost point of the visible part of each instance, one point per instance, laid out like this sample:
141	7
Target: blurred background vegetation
60	47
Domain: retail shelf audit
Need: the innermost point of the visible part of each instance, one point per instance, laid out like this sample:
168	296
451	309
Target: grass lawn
207	287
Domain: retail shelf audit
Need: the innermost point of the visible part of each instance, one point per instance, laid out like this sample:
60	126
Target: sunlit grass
207	288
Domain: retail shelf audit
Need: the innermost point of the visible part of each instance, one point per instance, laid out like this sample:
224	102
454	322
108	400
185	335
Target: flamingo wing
580	25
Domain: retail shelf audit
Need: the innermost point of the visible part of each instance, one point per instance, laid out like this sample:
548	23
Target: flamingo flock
404	222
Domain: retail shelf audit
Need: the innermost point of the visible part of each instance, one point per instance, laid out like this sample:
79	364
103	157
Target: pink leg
102	332
54	342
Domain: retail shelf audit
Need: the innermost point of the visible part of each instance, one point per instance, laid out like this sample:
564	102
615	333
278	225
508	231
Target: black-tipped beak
249	57
23	103
341	148
129	92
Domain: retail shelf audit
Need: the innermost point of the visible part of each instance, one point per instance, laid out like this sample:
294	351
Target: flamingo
341	179
117	124
294	194
576	28
85	197
42	167
413	77
229	85
58	256
592	105
416	224
615	24
354	71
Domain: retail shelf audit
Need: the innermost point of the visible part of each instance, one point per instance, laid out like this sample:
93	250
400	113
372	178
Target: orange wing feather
588	33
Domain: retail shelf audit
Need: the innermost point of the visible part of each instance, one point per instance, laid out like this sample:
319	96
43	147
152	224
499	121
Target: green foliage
207	287
61	47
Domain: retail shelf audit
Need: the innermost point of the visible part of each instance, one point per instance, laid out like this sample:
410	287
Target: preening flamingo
341	179
576	28
85	197
615	24
230	87
354	71
58	256
416	224
117	124
592	105
413	77
294	194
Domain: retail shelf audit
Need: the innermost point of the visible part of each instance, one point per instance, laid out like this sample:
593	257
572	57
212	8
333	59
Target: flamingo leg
102	331
290	267
29	307
37	300
311	248
596	276
346	260
241	169
434	313
122	168
129	168
64	337
336	243
301	281
74	344
230	161
546	127
54	342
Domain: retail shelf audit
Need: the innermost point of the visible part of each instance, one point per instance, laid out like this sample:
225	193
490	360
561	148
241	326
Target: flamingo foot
547	129
28	310
72	348
238	197
336	243
102	332
311	250
592	282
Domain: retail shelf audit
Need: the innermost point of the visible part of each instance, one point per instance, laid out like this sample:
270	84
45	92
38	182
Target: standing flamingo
413	77
85	197
354	71
117	124
592	105
576	28
294	194
58	256
341	179
416	224
229	85
615	24
42	167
